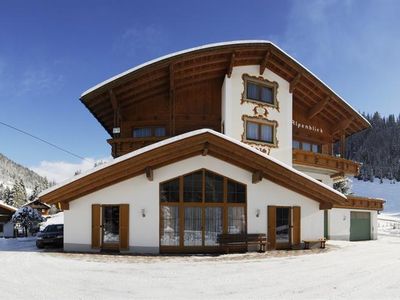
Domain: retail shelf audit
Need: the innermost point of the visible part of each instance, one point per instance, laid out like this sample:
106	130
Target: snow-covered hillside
10	172
389	192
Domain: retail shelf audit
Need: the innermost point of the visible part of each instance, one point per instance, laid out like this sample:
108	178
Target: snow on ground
352	270
389	224
389	192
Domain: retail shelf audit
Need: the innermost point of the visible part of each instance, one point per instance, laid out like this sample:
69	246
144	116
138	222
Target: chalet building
41	207
226	138
6	226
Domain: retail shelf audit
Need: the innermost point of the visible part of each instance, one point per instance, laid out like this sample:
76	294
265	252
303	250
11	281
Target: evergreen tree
377	148
343	186
8	197
20	197
36	191
28	218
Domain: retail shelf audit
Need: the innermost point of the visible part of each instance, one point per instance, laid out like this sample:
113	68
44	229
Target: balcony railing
358	202
324	161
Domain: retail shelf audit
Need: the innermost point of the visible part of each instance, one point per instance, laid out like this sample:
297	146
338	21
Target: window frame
312	144
153	129
260	122
260	81
181	204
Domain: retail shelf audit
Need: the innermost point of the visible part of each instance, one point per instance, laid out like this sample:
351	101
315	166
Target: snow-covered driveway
362	270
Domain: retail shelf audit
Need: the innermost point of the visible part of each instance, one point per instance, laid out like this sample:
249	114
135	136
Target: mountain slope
11	172
388	191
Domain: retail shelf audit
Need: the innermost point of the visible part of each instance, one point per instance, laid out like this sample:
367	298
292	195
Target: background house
6	226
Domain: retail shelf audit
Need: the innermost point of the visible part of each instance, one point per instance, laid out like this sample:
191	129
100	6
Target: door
360	226
296	227
110	227
284	228
283	225
202	226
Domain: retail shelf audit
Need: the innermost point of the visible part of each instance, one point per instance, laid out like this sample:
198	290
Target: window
214	187
259	90
305	146
236	192
169	226
315	148
1	228
147	132
296	144
159	131
192	187
236	220
262	131
282	224
260	93
196	208
169	191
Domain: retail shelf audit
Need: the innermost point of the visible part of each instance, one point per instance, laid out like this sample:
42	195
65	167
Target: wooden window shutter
296	225
271	227
96	229
124	226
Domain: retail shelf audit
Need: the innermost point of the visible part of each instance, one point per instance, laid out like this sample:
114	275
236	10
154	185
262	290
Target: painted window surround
235	108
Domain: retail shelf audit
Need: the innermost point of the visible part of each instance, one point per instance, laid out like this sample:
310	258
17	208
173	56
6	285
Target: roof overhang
199	142
213	62
7	207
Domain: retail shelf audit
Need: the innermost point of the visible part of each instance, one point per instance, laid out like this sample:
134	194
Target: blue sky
52	51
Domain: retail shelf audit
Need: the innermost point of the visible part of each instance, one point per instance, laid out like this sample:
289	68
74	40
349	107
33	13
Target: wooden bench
242	241
321	243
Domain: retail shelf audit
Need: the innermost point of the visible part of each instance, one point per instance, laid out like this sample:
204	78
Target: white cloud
40	79
136	41
59	171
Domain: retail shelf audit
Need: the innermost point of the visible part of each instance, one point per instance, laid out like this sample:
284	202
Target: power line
43	141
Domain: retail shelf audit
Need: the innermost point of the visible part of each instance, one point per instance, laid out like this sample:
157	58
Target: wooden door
296	235
96	229
271	227
124	226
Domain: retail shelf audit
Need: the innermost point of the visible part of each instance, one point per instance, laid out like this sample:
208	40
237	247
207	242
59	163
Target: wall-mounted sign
116	130
309	127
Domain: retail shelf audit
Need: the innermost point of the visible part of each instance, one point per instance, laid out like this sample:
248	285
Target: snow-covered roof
213	45
36	199
6	206
178	138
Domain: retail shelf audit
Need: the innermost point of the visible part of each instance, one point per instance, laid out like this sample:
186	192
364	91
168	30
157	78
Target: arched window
195	208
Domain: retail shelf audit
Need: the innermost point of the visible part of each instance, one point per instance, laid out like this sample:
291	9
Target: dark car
52	235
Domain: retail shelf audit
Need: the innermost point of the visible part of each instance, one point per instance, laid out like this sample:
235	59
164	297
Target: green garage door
360	226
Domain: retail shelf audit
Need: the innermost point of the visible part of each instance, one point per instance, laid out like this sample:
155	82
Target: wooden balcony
121	146
357	202
324	161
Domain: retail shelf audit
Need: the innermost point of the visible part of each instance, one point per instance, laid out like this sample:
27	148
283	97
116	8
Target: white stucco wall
143	194
325	178
339	223
233	110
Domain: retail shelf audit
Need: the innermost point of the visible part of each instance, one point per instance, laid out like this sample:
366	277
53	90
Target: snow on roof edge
236	42
178	138
26	204
2	203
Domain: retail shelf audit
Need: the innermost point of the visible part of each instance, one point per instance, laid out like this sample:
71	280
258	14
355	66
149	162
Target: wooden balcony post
342	145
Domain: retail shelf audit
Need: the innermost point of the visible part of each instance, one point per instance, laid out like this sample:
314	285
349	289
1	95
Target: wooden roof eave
185	148
245	52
